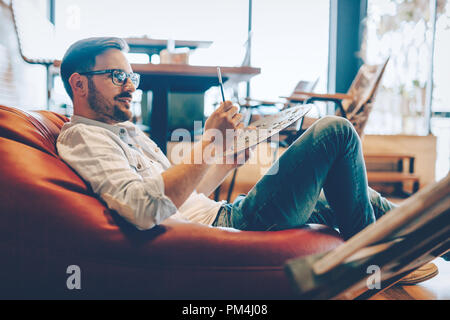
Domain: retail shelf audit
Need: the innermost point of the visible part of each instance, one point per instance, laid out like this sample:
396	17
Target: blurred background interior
408	131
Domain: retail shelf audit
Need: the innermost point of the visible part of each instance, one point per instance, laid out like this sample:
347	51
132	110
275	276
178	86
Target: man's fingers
231	112
225	106
237	118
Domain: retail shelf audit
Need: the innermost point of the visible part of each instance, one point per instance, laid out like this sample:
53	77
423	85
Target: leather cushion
50	219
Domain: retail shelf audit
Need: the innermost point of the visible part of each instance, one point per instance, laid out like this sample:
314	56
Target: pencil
219	75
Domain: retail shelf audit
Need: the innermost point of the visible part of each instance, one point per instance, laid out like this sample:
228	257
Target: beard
105	110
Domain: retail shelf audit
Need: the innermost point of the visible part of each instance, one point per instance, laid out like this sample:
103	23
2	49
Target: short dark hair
80	57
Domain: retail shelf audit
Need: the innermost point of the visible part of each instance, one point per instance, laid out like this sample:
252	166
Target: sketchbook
266	127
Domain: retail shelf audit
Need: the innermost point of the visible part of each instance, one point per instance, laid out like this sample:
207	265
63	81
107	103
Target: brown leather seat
50	220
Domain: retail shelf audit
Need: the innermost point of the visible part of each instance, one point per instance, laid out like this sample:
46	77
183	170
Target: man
321	178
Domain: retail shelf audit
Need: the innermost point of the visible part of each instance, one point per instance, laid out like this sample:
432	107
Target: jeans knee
337	122
337	125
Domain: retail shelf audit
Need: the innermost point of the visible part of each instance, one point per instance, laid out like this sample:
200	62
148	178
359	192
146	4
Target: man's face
110	102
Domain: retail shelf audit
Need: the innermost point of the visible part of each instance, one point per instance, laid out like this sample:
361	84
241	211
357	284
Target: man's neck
94	116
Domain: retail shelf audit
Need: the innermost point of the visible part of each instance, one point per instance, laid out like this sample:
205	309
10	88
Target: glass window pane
223	22
290	38
441	70
402	30
440	125
290	44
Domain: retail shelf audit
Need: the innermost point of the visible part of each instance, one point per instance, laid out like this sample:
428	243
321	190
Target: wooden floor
437	288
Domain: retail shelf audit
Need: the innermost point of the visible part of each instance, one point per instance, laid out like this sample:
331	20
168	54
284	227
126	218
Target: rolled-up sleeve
102	162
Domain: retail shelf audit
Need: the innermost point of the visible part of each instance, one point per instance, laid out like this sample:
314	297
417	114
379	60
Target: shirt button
122	131
139	166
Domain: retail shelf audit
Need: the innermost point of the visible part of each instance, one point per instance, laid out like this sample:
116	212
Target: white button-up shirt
123	166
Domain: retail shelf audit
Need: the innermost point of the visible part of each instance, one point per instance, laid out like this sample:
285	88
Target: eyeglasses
119	77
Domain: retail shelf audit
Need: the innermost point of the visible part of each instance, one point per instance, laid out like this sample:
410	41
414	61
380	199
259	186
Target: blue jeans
320	178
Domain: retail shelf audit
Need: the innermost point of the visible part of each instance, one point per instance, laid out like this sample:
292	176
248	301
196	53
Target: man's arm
217	174
212	179
98	158
181	180
144	201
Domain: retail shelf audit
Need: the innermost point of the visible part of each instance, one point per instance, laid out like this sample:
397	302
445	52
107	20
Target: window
290	44
441	94
290	38
224	22
403	29
440	122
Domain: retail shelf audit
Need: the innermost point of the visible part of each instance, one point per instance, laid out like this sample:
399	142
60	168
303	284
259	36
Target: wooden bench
392	168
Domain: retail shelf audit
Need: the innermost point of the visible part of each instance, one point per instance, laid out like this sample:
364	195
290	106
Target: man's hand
181	180
238	159
224	118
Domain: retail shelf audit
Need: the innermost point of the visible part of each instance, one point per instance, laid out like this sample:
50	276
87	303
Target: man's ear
79	85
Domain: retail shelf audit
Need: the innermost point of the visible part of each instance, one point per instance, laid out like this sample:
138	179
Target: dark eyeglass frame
134	77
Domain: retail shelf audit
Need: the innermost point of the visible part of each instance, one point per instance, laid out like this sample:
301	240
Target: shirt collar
118	128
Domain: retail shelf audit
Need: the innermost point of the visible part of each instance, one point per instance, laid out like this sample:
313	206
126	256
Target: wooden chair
355	105
36	38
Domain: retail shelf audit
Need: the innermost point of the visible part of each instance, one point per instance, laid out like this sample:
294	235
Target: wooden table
164	78
154	46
